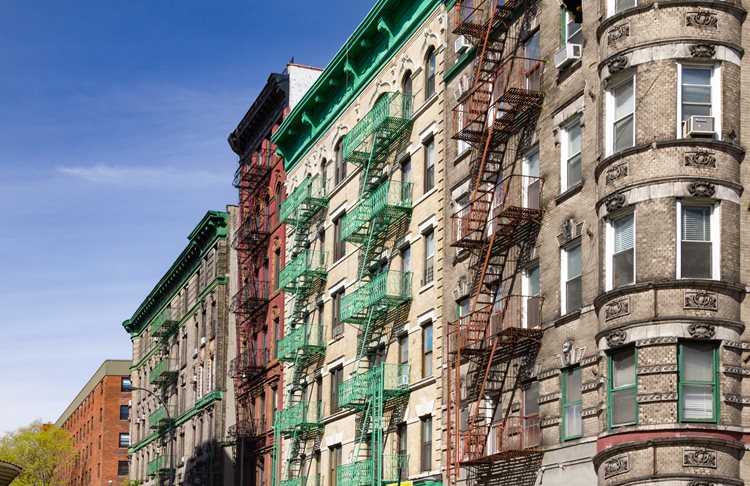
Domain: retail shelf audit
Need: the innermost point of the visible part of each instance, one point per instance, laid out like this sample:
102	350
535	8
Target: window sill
427	103
461	156
335	339
422	382
424	196
568	193
426	287
569	317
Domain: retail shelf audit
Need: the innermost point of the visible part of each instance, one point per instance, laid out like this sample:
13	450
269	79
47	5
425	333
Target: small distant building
99	421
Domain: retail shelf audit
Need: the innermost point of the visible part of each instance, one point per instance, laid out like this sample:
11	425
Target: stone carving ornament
616	338
615	466
699	458
701	189
702	50
701	482
615	202
702	19
617	33
700	160
702	331
701	299
617	308
617	64
616	172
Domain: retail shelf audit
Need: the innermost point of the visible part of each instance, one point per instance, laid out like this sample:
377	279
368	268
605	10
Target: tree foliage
39	449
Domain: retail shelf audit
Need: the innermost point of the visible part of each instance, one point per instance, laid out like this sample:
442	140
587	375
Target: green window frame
687	383
613	390
572	404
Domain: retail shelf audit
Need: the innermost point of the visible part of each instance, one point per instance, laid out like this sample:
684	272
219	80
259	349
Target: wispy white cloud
144	176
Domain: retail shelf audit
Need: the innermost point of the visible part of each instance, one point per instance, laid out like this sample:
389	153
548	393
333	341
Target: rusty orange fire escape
493	346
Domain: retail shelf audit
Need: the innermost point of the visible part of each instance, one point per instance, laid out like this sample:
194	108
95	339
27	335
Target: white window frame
564	275
525	173
570	19
564	152
715	239
610	111
611	7
716	99
610	247
526	290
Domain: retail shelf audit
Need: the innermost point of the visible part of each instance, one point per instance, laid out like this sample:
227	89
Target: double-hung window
622	388
429	257
698	95
340	165
429	165
621	251
427	350
426	452
339	245
617	6
571	155
337	377
531	424
572	404
621	116
698	251
571	30
337	327
571	273
698	390
532	302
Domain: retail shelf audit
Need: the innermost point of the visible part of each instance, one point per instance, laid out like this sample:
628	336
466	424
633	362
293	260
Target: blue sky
113	125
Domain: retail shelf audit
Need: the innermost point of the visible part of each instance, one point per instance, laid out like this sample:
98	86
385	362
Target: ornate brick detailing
550	421
550	397
734	399
652	370
615	172
590	412
701	300
702	18
699	458
701	160
656	341
735	370
617	308
548	374
702	50
615	202
701	189
701	482
736	344
617	33
590	360
591	385
616	338
617	64
702	331
657	397
616	465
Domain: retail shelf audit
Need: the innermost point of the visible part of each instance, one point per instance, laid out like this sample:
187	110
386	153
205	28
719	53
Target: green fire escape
303	345
382	298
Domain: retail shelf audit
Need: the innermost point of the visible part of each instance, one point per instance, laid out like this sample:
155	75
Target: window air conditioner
568	54
463	86
698	126
461	45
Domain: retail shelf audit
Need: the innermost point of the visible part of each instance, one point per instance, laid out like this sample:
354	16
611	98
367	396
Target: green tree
39	449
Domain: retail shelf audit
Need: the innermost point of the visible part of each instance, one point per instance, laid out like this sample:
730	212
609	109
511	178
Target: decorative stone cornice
590	412
548	374
702	331
590	360
701	482
701	189
616	338
550	397
592	385
656	341
702	50
549	421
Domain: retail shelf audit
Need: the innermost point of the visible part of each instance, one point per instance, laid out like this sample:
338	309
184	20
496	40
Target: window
123	468
324	172
532	184
405	178
334	462
125	383
461	112
340	167
532	431
339	245
403	349
337	328
620	116
429	257
570	260
124	412
532	304
277	201
698	256
533	64
427	350
337	377
124	440
277	269
406	84
430	70
622	388
571	155
402	437
571	403
698	390
406	259
617	6
621	251
571	30
429	165
426	452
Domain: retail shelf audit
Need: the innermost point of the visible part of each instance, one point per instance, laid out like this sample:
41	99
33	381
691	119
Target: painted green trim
211	228
367	52
219	280
563	26
611	388
450	3
460	64
715	383
565	404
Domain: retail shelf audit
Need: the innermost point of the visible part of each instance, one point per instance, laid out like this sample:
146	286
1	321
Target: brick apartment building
260	243
98	420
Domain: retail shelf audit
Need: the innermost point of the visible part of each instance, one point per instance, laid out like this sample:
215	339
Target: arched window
430	68
406	87
324	172
340	174
278	198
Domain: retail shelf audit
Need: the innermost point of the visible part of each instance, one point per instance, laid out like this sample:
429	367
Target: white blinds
624	234
696	224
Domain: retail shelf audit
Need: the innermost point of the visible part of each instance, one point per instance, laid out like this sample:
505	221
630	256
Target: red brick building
99	421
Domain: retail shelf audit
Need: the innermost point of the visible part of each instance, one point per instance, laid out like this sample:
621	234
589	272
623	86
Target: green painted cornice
373	44
213	226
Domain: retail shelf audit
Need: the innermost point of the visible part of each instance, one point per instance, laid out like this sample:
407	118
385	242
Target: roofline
110	367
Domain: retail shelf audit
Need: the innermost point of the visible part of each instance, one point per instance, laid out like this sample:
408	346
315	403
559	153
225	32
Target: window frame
125	408
566	157
428	265
430	73
716	95
124	438
565	404
339	244
337	327
630	77
610	246
425	352
715	224
565	277
611	387
425	446
716	419
337	375
565	21
339	171
611	7
428	176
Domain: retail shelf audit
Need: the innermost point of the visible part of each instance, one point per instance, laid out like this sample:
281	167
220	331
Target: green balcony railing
362	473
390	115
165	322
303	271
302	415
305	201
357	390
390	201
302	481
208	398
157	466
164	372
160	418
309	339
387	290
